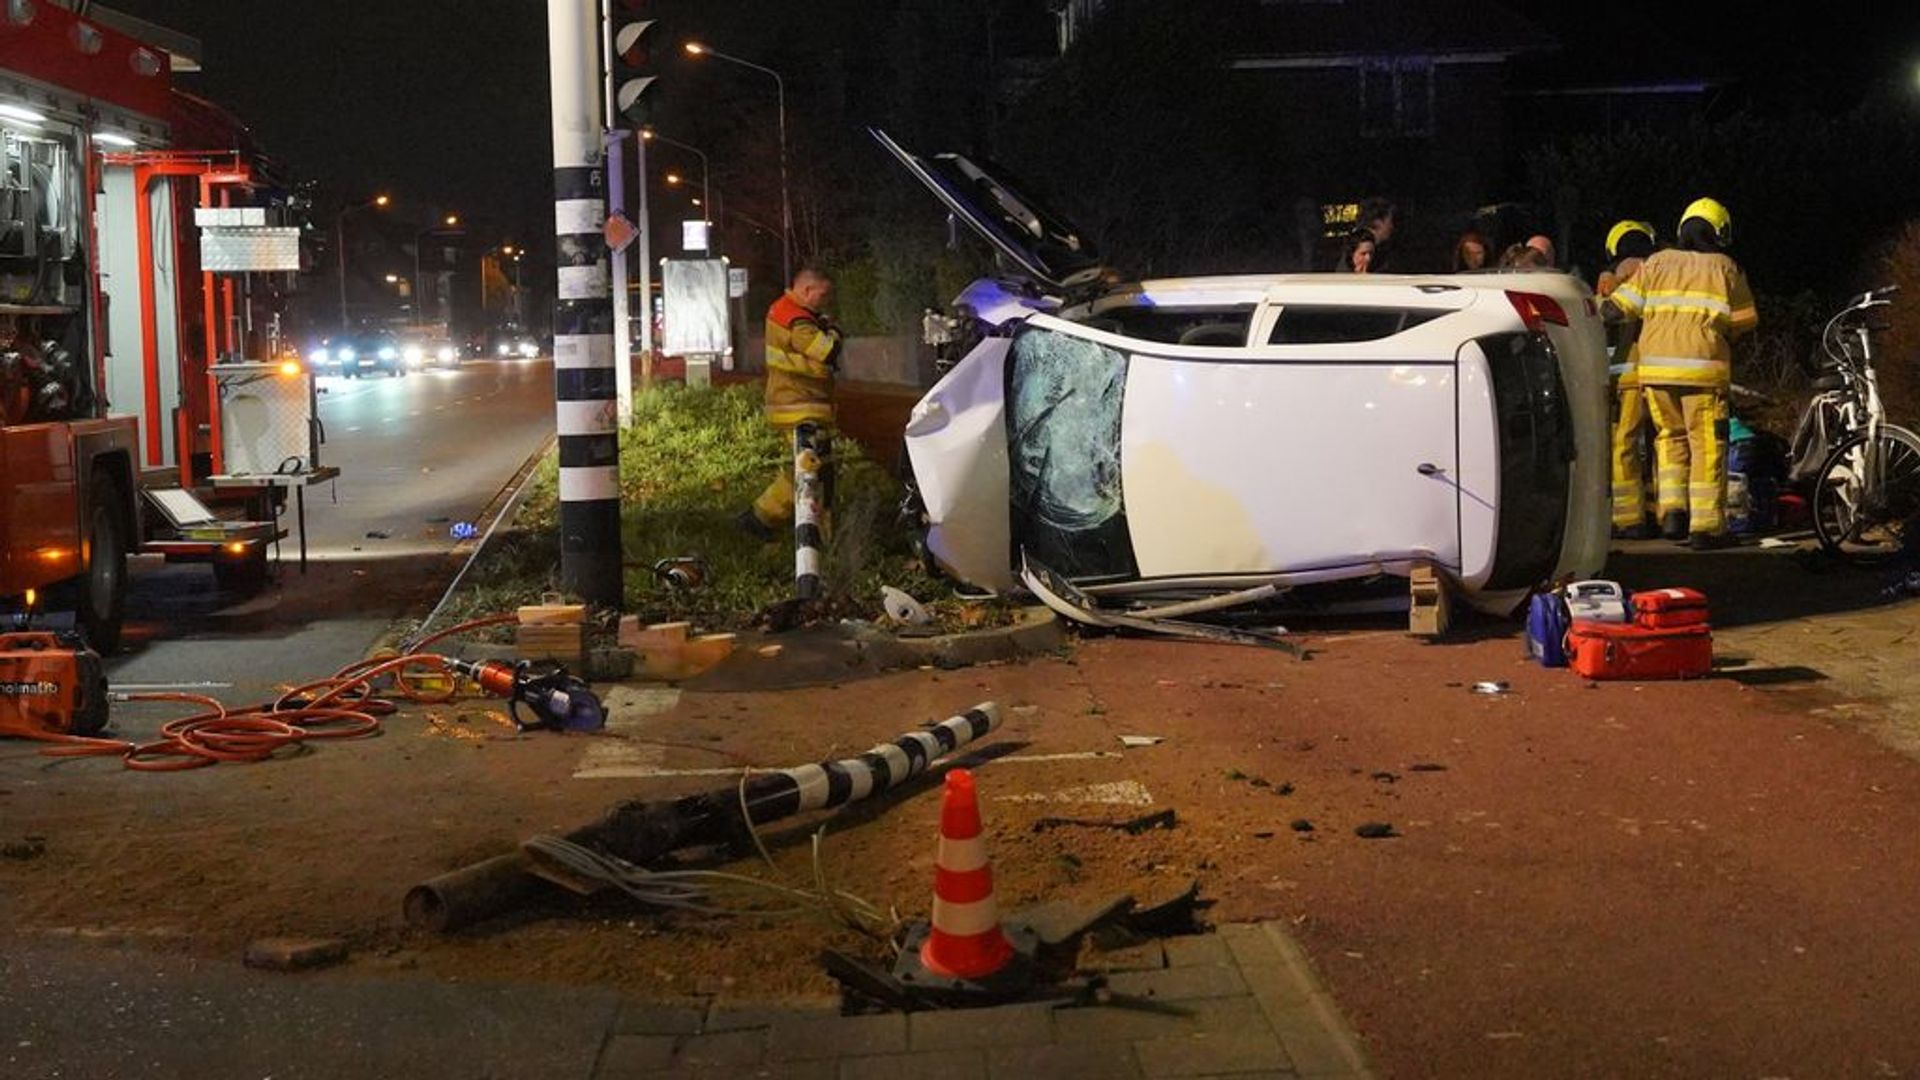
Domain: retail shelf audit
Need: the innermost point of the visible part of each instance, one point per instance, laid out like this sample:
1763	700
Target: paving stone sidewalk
1243	1002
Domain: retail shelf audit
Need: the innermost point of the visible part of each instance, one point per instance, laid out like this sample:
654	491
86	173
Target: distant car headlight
529	349
415	355
387	352
319	356
504	350
346	352
448	354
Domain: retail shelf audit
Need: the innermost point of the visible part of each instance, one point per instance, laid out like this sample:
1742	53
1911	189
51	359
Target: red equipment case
1664	609
1597	650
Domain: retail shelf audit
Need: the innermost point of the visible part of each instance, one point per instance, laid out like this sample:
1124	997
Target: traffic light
633	64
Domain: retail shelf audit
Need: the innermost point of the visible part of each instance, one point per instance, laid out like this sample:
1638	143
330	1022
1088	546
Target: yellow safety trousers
1629	456
1690	453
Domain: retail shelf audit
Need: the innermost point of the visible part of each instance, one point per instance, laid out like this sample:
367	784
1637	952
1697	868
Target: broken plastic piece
1490	687
1131	741
902	608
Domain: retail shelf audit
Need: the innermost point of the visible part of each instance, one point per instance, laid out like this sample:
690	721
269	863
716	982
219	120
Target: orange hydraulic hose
341	706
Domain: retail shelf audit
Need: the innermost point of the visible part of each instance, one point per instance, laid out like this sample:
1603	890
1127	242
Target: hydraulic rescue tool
560	701
50	683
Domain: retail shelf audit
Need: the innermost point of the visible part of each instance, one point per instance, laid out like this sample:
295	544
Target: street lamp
706	193
695	48
448	222
340	248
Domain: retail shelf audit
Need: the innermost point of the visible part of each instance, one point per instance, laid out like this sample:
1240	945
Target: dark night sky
444	104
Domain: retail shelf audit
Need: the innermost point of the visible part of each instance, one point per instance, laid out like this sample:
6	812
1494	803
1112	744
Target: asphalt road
417	455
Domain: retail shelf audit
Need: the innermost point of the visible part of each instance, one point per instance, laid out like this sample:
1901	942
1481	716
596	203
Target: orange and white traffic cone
965	949
966	941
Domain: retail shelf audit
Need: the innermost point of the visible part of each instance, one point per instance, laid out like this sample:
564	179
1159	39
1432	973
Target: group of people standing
1673	314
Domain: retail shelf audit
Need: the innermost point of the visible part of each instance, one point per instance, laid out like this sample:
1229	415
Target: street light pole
450	222
706	193
695	48
340	249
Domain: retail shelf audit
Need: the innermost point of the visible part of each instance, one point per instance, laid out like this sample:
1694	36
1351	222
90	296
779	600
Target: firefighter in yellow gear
1692	302
803	352
1628	245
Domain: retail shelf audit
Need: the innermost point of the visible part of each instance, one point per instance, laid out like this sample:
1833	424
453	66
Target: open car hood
1042	245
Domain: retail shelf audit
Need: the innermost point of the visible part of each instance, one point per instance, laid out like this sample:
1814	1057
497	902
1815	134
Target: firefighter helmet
1621	229
1715	215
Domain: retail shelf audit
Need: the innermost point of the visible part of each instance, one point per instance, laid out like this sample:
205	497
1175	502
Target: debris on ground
1490	687
1375	830
1300	825
1133	741
294	953
1163	819
25	848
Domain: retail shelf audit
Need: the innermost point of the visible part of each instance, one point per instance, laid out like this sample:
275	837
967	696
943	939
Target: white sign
693	235
241	250
736	282
695	292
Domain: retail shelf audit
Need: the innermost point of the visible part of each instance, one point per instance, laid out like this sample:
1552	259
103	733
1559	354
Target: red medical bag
1661	609
1597	650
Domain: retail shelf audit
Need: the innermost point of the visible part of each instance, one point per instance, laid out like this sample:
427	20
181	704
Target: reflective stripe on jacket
1691	305
801	352
1623	358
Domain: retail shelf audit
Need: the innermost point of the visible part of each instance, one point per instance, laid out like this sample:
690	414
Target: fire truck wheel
242	575
101	602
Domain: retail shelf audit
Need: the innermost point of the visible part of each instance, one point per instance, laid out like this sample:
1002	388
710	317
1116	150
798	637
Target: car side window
1333	324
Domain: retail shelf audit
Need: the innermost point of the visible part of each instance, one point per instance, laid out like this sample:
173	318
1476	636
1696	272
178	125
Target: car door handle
1428	468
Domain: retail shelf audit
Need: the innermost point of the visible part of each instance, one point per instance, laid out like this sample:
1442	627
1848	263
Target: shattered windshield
1063	427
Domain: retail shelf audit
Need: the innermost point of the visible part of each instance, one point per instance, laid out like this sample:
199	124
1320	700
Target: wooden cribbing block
1431	608
555	632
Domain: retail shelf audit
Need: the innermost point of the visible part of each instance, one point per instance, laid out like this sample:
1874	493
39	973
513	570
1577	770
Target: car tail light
1537	310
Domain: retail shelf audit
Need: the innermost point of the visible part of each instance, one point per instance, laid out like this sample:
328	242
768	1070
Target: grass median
689	463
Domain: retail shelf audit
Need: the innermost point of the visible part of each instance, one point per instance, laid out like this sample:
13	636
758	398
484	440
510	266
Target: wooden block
686	659
1431	608
705	651
544	614
566	643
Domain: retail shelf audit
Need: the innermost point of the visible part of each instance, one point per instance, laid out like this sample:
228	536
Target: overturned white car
1180	438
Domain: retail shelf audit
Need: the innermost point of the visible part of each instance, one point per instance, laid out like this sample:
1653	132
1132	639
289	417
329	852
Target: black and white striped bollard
809	510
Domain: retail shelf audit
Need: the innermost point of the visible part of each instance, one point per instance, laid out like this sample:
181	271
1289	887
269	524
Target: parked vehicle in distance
1183	438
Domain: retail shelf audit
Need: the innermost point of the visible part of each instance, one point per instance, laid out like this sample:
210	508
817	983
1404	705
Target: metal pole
585	406
786	207
617	204
416	277
340	249
646	265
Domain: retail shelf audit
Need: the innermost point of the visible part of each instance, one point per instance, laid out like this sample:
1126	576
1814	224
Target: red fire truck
135	361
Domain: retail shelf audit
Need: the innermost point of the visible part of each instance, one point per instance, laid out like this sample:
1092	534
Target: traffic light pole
585	398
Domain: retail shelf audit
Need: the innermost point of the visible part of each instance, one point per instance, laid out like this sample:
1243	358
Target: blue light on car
318	356
387	352
346	352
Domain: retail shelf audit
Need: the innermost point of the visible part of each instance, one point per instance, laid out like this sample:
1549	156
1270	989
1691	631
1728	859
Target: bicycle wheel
1867	498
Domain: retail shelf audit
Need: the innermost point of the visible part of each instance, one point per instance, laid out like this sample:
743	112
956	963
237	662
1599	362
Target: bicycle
1866	488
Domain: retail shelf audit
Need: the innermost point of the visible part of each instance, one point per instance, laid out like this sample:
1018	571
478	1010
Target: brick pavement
1244	1002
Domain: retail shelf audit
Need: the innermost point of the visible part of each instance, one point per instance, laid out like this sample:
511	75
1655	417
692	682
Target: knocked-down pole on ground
641	831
